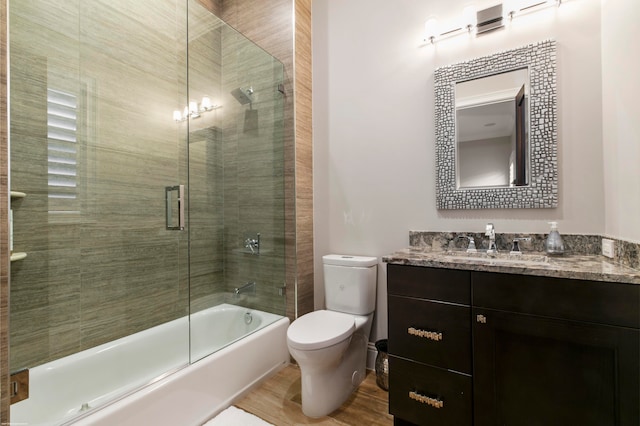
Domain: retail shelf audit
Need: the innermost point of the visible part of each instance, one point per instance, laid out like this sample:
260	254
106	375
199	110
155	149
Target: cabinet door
531	370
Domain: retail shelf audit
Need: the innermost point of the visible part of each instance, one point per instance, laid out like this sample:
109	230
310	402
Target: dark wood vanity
476	347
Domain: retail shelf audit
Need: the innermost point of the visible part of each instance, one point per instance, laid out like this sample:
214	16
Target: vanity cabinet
542	351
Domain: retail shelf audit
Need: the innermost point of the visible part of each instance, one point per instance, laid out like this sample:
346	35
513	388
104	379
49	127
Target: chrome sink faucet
491	233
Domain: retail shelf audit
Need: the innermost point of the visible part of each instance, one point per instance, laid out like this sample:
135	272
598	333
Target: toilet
330	345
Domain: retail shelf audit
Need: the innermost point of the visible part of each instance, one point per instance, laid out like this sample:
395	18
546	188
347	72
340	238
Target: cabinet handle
433	335
481	319
433	402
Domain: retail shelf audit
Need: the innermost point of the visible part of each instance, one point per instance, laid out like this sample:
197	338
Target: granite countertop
585	267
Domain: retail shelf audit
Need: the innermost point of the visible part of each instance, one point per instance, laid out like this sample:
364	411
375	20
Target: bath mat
233	416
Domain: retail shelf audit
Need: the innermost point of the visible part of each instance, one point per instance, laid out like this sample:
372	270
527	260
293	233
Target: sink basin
497	258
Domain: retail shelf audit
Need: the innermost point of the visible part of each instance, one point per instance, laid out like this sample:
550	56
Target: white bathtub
189	395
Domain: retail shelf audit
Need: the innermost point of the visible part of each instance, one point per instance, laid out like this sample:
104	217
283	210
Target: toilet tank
350	283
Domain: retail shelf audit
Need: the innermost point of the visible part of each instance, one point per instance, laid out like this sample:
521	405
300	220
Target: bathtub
145	379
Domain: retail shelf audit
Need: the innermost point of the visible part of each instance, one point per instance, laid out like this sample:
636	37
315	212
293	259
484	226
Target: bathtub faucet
249	287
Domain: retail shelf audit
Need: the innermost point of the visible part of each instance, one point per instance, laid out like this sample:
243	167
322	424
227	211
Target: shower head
242	95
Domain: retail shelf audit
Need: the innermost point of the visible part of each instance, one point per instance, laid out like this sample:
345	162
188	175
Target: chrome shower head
243	95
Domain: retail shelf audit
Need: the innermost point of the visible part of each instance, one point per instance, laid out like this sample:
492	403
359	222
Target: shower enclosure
147	173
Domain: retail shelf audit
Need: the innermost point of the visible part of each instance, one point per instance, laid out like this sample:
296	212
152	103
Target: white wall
621	117
374	175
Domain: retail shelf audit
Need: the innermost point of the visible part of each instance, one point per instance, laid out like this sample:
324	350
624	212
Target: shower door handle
174	204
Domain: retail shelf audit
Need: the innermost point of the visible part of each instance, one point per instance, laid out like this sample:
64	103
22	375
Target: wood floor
278	401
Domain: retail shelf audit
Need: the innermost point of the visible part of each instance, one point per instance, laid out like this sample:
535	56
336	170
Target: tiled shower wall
303	142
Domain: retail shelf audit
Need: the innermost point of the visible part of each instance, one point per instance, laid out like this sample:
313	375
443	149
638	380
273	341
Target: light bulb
510	8
177	116
206	103
431	29
469	17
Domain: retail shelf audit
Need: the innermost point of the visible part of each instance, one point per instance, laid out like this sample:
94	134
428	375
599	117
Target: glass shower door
236	180
93	85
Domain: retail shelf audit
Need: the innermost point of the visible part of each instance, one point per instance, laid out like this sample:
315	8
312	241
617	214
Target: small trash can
382	365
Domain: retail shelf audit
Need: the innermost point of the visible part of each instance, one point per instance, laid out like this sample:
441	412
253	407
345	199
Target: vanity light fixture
193	110
485	20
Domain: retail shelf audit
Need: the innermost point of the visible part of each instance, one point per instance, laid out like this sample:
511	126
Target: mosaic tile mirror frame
542	188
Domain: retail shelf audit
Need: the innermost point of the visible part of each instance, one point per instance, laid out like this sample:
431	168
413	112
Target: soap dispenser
554	244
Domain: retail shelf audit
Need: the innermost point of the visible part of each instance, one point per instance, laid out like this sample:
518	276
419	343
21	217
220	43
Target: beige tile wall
304	156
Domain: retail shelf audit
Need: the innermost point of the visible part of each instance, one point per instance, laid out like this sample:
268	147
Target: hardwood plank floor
278	401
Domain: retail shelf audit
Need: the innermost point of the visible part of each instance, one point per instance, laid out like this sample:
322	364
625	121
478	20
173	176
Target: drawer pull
433	335
433	402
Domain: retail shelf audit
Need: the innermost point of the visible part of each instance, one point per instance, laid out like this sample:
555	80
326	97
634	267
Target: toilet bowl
330	345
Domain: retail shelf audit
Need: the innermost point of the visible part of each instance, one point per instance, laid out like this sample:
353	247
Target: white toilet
330	345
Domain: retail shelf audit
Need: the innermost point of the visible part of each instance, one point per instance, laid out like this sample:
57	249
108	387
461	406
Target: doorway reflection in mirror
491	130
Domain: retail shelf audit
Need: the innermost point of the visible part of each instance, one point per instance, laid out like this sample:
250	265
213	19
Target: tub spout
249	287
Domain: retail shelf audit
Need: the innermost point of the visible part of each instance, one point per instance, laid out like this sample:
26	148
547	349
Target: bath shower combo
133	287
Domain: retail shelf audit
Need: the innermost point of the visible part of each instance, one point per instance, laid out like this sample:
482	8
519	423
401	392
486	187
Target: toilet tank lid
346	260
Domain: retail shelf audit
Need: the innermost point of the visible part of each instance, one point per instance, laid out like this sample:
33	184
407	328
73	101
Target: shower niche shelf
18	256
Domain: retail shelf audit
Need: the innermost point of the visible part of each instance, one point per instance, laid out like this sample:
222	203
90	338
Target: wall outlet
608	248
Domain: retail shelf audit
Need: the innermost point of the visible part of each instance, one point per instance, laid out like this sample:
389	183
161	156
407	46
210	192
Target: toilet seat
320	329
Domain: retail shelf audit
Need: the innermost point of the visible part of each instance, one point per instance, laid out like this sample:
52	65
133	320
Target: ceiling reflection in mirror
491	130
496	130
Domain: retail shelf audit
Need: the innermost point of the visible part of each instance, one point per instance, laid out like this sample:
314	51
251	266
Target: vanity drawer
429	283
428	396
433	333
580	300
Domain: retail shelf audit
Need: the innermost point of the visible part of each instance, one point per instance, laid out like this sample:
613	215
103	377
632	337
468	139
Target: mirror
496	130
491	134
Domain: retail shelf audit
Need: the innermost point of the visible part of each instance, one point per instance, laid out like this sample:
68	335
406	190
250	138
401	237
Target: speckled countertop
585	267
